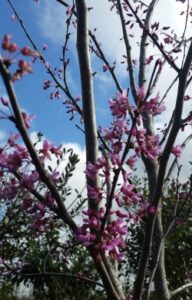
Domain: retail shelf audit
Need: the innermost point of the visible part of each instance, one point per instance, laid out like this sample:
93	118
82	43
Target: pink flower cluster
24	67
19	177
153	106
119	105
112	240
147	144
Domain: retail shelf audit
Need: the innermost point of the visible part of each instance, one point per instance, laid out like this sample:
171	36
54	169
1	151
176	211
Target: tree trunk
161	284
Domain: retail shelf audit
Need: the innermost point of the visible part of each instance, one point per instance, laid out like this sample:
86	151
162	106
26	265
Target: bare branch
54	274
172	64
128	52
49	71
181	289
143	43
87	91
170	171
103	57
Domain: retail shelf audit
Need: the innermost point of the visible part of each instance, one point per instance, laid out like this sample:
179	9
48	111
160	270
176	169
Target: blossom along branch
115	180
103	231
107	65
128	52
38	196
179	149
49	70
65	89
100	52
19	123
161	173
65	61
172	64
143	44
90	123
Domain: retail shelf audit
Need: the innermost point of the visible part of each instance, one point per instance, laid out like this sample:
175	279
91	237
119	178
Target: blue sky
48	27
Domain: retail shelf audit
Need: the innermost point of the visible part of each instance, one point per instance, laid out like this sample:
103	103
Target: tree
114	203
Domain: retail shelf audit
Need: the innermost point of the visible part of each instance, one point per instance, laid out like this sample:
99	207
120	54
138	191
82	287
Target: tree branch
49	274
142	57
181	289
128	52
19	122
90	126
154	40
103	57
161	175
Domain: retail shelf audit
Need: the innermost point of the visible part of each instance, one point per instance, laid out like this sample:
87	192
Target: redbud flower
4	101
176	150
26	51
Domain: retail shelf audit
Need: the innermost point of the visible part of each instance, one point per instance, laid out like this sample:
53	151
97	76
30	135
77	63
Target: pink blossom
27	51
24	67
91	170
8	45
49	199
27	119
4	101
119	105
121	215
12	139
153	106
94	193
14	161
149	60
168	40
55	176
129	194
131	161
176	150
29	180
45	150
56	150
115	159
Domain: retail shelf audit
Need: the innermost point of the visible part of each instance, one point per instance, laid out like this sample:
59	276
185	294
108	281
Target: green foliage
6	291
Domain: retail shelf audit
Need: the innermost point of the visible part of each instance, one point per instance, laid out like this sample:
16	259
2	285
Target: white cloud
51	21
52	25
77	181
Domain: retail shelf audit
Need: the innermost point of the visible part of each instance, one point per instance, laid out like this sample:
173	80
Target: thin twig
19	122
54	274
128	52
154	40
181	289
